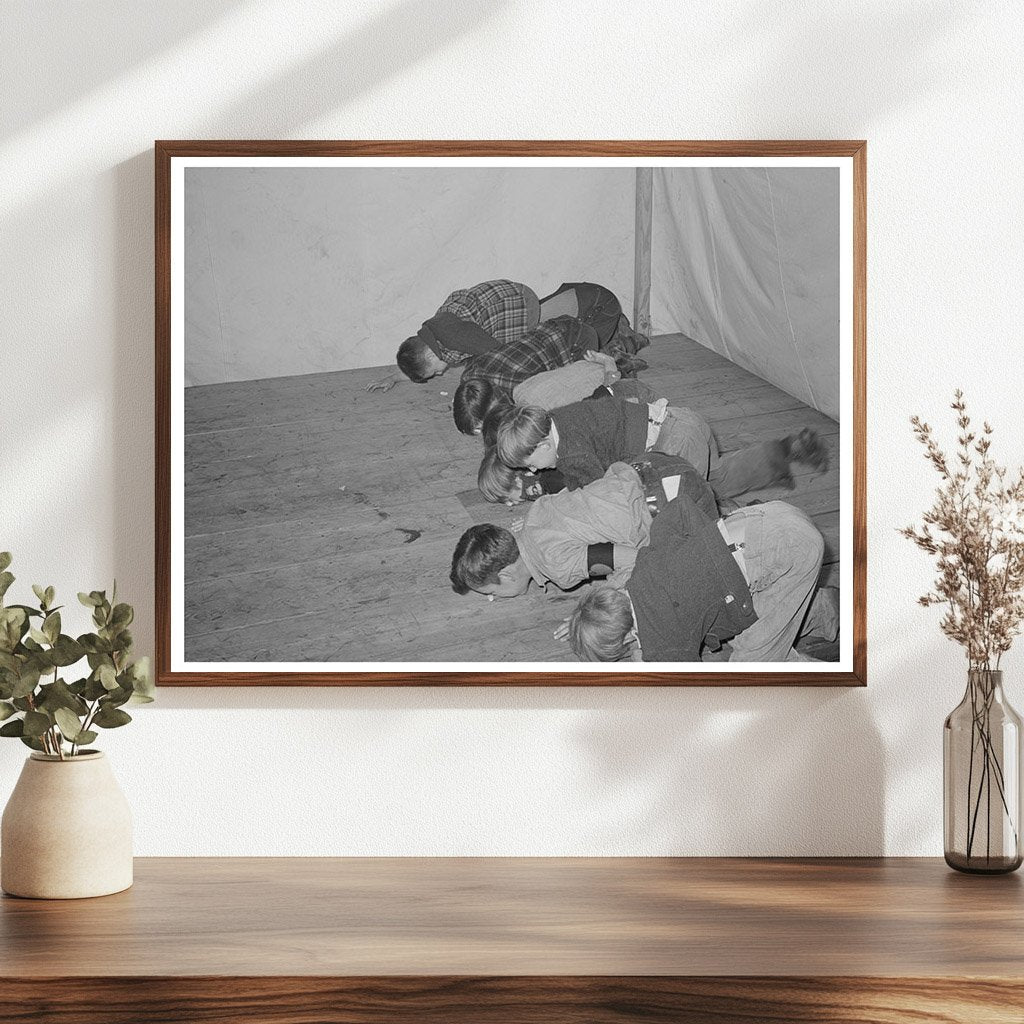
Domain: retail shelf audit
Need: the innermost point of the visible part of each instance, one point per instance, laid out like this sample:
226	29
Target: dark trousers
602	310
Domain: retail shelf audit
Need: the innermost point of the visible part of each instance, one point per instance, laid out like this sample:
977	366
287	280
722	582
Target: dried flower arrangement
975	528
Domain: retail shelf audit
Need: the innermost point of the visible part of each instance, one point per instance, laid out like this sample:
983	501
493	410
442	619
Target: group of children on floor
628	494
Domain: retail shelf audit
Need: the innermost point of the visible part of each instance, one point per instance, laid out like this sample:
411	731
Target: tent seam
785	298
718	297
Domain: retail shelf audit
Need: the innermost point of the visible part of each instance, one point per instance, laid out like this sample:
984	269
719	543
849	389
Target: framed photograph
510	413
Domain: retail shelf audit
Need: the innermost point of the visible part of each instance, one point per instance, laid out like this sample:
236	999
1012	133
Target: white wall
936	89
293	271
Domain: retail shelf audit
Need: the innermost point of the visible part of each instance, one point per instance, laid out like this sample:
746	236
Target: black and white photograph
511	414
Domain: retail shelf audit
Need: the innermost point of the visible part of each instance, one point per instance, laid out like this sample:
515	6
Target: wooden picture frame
173	158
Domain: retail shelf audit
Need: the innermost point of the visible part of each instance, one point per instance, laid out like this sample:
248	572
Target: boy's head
418	361
503	485
487	561
489	427
474	400
526	438
601	626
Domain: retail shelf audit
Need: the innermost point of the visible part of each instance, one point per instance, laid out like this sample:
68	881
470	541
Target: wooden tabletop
499	941
528	916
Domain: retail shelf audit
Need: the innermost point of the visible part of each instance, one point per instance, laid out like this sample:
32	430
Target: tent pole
642	263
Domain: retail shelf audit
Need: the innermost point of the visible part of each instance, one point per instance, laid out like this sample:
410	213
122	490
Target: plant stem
59	739
970	767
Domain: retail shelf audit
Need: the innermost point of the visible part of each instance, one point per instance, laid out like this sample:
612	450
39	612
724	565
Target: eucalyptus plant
37	705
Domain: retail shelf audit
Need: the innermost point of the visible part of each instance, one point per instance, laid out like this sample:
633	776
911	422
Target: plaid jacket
498	307
549	345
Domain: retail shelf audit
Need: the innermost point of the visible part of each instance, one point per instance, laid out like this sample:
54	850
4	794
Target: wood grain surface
237	506
523	939
518	1000
311	485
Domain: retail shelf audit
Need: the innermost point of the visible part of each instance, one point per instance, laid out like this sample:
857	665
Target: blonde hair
600	624
496	480
519	433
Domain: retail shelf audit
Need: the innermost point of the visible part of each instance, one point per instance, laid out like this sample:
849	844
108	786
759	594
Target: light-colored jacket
559	528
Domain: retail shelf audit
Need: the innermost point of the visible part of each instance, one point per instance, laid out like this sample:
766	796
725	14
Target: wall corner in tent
642	271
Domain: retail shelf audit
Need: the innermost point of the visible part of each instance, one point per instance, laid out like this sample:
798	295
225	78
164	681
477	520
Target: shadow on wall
812	61
679	778
133	376
47	45
408	33
735	771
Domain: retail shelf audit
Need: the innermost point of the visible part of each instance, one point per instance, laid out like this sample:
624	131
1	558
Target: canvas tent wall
746	261
306	270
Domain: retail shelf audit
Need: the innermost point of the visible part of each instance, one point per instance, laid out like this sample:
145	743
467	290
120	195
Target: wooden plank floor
320	518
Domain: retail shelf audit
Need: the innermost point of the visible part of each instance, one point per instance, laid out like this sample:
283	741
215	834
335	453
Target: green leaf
15	615
6	710
15	728
31	741
9	663
38	635
100	648
94	689
23	703
109	718
51	626
142	681
67	651
59	695
40	593
28	610
6	579
115	698
122	616
107	676
27	681
12	628
89	600
36	723
86	736
69	724
5	559
50	595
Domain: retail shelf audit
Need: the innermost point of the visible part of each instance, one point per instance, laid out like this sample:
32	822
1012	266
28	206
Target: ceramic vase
66	831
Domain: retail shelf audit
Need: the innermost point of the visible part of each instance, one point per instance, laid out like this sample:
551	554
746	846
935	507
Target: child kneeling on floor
749	578
582	440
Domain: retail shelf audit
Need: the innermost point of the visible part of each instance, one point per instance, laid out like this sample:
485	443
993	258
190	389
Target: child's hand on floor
382	385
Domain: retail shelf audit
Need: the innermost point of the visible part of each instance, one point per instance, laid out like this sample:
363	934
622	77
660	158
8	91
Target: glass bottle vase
981	773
